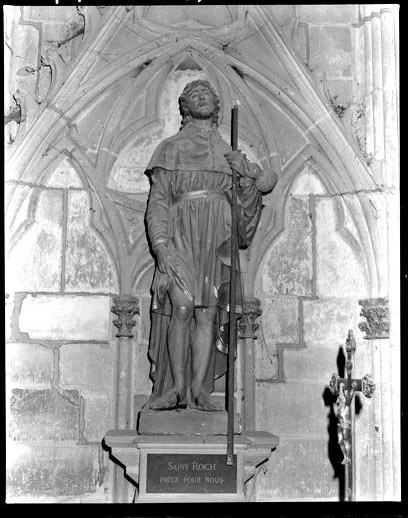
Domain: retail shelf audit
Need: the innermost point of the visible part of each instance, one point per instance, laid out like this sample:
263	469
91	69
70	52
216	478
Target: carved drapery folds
251	312
125	308
377	325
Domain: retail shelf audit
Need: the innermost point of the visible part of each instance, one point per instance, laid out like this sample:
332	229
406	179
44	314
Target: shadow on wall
333	448
334	452
123	474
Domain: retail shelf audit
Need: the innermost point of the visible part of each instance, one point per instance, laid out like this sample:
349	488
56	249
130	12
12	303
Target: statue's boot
169	401
204	403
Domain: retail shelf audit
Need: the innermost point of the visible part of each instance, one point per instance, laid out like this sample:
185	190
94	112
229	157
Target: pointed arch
256	132
253	84
273	220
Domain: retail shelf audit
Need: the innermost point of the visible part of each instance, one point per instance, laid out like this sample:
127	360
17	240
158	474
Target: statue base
189	468
185	422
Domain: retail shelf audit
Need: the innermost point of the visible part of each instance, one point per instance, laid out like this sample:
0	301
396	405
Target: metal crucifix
345	389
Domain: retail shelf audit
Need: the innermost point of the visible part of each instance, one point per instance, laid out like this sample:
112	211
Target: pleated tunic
194	228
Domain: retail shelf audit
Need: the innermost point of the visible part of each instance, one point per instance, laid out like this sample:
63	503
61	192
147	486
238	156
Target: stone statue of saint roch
188	221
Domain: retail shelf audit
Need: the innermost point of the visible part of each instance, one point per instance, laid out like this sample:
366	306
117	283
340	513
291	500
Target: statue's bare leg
178	342
201	354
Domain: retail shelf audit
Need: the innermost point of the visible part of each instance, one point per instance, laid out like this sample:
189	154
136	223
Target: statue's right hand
165	260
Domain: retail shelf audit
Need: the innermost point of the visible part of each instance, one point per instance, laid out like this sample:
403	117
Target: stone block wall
350	52
315	273
309	304
59	395
60	279
324	37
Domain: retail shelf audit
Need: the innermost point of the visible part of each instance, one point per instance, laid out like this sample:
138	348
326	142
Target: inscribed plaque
190	473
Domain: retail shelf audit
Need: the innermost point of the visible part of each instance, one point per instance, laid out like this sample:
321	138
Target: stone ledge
186	421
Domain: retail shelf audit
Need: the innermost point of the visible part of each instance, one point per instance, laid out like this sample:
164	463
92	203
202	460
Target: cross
345	389
364	385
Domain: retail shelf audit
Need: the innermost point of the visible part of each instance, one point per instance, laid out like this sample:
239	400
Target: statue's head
190	105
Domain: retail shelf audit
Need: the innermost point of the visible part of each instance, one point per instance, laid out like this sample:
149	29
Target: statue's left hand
236	161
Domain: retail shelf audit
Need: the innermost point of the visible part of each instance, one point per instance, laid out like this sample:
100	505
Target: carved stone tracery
235	74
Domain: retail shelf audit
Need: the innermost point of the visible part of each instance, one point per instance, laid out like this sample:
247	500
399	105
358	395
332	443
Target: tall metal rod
233	321
348	478
352	468
352	475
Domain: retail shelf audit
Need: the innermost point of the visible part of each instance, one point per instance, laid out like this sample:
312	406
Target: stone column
389	81
380	30
368	86
378	111
247	334
391	353
125	308
376	327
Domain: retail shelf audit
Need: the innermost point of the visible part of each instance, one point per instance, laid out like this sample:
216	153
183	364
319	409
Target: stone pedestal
185	421
189	468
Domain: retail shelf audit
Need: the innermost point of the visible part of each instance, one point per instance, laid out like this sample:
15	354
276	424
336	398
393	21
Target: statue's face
201	103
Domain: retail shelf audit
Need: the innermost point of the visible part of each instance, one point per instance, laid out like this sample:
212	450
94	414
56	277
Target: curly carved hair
183	100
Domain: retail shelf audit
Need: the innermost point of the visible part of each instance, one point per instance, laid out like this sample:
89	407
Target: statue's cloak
192	149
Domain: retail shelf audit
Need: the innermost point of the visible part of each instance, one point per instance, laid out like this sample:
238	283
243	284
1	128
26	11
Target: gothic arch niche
137	125
311	240
34	260
137	141
266	97
57	248
266	125
273	130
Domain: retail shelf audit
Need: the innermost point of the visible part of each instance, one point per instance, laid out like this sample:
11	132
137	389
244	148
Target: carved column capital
247	325
377	325
125	308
